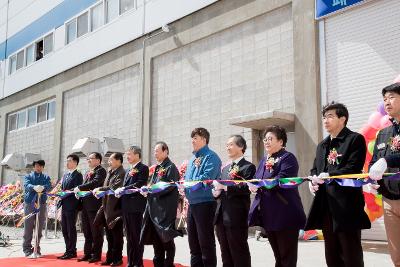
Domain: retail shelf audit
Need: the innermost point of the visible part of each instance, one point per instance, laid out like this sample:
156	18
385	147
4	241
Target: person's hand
216	193
313	187
253	189
219	186
94	192
181	189
76	190
144	191
378	169
323	175
373	188
118	191
38	188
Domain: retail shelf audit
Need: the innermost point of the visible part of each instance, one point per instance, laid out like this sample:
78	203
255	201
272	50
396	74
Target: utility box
85	146
111	145
13	161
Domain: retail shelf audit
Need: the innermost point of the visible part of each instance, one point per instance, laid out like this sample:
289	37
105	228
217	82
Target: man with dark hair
386	157
233	205
160	215
204	165
71	179
35	183
90	205
133	205
338	209
110	213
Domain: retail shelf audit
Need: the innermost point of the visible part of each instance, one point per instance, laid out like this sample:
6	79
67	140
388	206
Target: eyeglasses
90	158
329	116
265	140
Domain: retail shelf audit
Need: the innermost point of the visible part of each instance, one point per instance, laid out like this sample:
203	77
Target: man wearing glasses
90	205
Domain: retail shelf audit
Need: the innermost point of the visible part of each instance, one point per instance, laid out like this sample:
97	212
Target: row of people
336	209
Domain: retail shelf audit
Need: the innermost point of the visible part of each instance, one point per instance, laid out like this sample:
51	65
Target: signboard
327	7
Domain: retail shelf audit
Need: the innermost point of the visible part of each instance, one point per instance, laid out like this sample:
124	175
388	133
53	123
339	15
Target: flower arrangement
333	157
395	143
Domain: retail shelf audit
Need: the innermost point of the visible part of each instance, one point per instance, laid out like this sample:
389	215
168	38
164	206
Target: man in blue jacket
204	165
34	183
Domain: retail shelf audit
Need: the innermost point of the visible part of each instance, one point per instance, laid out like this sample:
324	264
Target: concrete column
54	172
306	88
3	134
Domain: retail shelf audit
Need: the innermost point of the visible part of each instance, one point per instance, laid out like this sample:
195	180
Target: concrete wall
229	59
242	70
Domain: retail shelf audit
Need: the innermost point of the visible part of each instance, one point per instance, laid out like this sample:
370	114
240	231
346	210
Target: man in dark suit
160	215
110	213
90	205
233	205
133	205
69	204
386	157
337	209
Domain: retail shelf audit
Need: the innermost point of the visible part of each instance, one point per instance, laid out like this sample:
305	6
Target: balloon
374	120
378	202
381	109
368	132
371	147
385	122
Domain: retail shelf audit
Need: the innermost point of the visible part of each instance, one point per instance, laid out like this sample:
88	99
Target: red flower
161	172
395	143
333	157
269	164
133	171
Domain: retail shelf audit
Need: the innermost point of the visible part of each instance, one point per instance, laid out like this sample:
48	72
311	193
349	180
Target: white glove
94	192
38	188
253	189
118	191
313	187
144	193
181	189
372	188
218	186
378	169
316	180
216	193
76	190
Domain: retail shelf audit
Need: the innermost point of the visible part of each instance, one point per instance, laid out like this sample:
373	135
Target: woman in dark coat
160	215
278	210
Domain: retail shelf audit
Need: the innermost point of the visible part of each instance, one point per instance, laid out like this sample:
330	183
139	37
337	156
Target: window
71	31
21	121
112	10
48	44
13	64
51	110
97	16
12	122
32	116
42	112
20	59
126	5
83	24
29	55
39	50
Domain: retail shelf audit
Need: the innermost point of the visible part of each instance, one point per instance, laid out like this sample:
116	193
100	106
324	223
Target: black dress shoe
118	263
62	256
92	260
105	263
69	256
84	258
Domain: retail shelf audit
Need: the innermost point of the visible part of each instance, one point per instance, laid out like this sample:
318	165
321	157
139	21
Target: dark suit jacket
111	205
135	202
344	204
91	182
69	182
389	188
233	205
161	207
278	209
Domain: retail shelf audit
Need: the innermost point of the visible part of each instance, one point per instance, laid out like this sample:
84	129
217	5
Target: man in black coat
386	157
133	205
94	234
69	204
160	214
110	213
233	203
338	210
